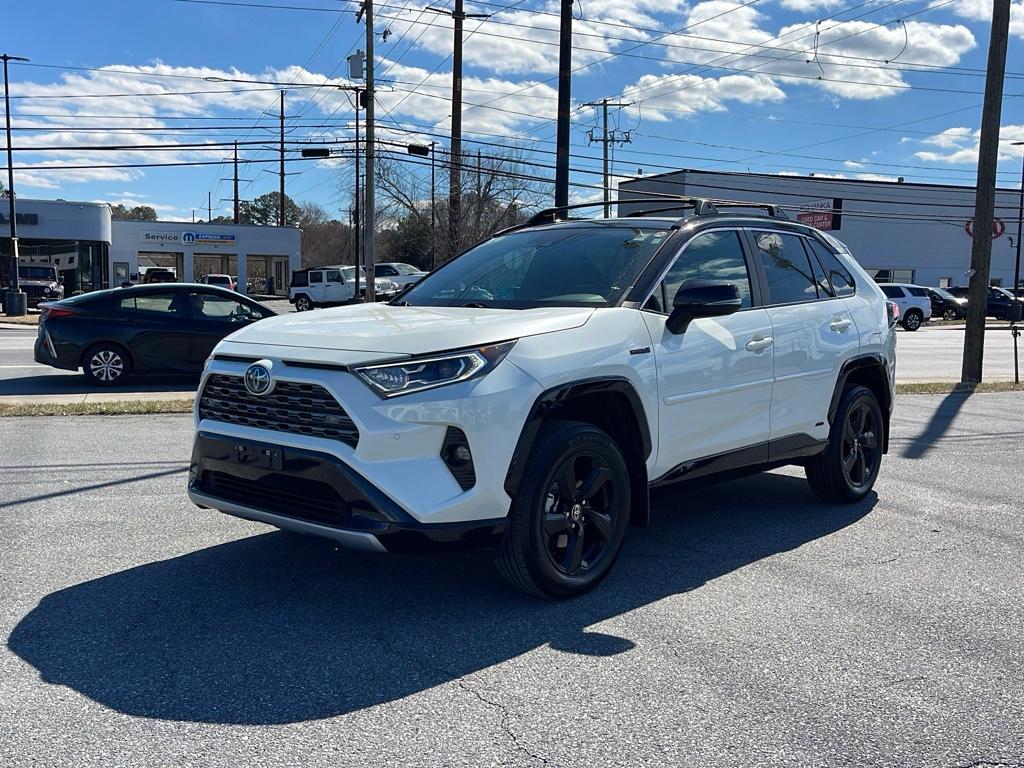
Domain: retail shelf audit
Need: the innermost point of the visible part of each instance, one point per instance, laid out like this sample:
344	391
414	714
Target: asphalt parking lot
749	626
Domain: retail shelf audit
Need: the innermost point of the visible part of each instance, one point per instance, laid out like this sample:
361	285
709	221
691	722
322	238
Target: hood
406	330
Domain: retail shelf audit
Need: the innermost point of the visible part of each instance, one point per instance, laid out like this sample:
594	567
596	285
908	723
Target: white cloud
853	164
664	96
981	10
961	145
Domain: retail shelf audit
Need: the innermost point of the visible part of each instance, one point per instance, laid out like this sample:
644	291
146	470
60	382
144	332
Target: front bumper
315	493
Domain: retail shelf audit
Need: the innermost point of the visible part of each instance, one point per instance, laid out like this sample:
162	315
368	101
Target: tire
950	314
106	364
560	542
303	303
846	471
912	320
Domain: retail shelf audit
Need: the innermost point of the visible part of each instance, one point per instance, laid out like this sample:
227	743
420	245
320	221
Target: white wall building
253	253
917	233
92	252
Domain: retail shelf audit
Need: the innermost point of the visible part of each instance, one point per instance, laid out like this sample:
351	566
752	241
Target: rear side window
163	303
892	291
300	279
919	292
787	269
838	274
316	277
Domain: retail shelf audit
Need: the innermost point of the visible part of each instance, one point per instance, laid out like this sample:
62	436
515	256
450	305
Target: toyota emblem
257	379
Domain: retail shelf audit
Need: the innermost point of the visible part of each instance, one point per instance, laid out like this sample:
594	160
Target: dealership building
91	252
915	233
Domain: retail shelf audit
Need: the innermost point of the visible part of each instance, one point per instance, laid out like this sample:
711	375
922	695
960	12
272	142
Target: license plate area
257	456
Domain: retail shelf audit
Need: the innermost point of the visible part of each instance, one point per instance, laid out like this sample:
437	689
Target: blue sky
854	89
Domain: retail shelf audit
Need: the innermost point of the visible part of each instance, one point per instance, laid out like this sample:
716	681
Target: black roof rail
550	215
771	209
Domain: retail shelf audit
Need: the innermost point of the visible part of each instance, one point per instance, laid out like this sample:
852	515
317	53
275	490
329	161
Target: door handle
758	343
840	324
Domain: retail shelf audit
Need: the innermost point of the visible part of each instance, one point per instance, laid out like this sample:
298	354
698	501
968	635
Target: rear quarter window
919	292
892	291
835	270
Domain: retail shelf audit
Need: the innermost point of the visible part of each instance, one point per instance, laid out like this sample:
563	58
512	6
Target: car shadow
65	384
277	628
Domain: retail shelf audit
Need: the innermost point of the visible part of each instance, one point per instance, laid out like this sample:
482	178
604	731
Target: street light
15	302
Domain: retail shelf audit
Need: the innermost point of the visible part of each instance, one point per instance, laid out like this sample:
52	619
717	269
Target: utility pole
236	183
15	302
984	205
1020	219
607	139
358	254
479	195
564	100
369	210
433	213
455	169
209	206
280	205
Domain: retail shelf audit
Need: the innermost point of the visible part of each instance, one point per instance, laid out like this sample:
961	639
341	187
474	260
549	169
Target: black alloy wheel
847	469
580	510
106	365
912	320
861	450
569	515
950	314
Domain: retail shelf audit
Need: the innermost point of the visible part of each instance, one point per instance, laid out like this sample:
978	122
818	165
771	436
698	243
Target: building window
945	282
891	275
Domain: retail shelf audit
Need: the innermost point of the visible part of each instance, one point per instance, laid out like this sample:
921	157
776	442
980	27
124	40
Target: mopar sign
206	238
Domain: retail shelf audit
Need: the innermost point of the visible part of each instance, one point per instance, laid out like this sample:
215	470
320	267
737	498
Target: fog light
458	458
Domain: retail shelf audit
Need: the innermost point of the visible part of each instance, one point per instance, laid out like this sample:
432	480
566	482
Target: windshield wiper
476	305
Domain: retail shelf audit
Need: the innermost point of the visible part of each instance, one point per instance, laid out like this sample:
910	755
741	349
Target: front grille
307	500
33	291
303	409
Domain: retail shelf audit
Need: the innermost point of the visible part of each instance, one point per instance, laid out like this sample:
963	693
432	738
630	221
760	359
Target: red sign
817	219
998	228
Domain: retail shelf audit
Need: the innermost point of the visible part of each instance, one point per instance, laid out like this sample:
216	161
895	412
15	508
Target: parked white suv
327	286
528	393
403	274
915	305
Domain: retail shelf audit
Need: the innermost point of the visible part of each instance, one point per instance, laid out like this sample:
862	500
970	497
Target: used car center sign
188	238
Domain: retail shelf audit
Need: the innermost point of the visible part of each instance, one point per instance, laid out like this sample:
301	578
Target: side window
914	290
715	256
838	274
160	303
821	282
333	276
316	277
214	306
892	291
786	268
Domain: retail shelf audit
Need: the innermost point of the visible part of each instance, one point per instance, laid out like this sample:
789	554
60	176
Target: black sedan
999	301
946	305
142	329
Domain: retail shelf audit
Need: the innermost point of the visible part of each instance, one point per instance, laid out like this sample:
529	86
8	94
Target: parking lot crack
506	715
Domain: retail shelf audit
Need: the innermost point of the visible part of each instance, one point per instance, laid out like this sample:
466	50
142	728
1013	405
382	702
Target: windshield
37	273
406	269
350	273
942	293
1002	292
585	264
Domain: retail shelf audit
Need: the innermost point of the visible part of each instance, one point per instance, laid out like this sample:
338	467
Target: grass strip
951	387
115	408
20	319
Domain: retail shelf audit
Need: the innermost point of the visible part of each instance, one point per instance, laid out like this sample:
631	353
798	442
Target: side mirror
702	298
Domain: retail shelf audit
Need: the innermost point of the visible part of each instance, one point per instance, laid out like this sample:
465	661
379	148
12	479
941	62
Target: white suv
528	393
327	286
913	301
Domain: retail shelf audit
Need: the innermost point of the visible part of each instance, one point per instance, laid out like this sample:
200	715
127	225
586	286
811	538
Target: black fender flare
551	400
876	362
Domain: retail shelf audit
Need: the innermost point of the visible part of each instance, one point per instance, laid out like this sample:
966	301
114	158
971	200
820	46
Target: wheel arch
610	403
872	372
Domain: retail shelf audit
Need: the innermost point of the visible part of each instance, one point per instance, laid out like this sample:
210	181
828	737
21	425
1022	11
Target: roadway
750	625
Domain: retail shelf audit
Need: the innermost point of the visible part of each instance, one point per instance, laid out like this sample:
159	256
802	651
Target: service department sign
207	238
161	237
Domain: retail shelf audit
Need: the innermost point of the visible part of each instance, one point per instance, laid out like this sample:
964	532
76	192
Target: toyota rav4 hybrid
527	395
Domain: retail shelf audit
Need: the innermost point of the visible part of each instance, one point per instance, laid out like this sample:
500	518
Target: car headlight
428	372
